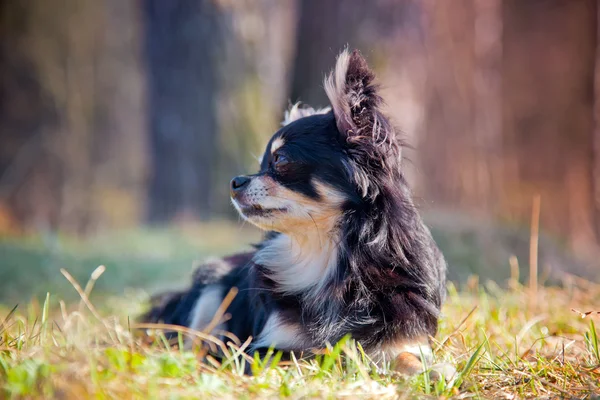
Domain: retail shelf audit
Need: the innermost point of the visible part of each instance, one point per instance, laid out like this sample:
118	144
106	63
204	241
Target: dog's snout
238	183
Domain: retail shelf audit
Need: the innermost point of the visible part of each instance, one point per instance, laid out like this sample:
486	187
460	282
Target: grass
81	341
504	342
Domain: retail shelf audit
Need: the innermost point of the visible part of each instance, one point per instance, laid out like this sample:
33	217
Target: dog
345	250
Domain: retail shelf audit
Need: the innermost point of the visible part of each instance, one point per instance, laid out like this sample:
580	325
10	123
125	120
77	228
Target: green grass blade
470	365
592	341
44	325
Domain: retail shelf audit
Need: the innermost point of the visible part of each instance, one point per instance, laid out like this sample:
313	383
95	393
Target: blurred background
122	122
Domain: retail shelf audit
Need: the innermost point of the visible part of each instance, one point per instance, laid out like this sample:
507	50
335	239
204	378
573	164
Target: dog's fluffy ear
296	112
354	98
370	138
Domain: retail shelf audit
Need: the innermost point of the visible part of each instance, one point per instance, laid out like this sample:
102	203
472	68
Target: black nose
238	183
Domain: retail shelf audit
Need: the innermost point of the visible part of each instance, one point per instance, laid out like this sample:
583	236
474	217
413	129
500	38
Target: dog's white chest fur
299	264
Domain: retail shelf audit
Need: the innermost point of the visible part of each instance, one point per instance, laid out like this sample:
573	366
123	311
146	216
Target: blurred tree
460	131
182	38
321	33
217	78
64	163
254	71
28	174
548	84
509	115
324	27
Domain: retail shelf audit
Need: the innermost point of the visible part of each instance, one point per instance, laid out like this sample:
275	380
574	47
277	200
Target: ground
508	342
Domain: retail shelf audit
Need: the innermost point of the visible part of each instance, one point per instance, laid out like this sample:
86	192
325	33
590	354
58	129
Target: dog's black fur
387	282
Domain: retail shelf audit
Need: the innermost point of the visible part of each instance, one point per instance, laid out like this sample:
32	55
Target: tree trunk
27	115
596	138
487	102
254	65
71	122
324	28
548	81
181	40
448	148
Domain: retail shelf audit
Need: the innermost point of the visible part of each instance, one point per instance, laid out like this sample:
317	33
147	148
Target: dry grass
505	344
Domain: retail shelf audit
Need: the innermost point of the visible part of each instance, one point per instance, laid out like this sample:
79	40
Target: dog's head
322	163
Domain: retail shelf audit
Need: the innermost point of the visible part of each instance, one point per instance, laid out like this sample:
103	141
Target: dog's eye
279	161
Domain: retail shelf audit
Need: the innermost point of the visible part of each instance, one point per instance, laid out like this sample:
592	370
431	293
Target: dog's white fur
279	334
335	88
277	143
299	263
206	307
296	112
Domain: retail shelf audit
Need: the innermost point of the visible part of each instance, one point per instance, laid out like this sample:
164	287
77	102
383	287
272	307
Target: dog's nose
238	184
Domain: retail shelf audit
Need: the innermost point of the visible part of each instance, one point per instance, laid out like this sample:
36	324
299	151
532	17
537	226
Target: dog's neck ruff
299	264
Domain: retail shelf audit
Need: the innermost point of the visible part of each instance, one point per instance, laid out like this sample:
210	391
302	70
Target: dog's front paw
409	364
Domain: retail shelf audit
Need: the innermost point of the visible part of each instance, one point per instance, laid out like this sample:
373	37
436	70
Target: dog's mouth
259	211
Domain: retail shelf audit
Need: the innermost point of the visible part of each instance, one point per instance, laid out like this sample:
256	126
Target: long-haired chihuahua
345	250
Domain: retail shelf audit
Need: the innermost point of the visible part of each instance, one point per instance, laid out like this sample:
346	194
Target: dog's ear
370	139
354	98
296	112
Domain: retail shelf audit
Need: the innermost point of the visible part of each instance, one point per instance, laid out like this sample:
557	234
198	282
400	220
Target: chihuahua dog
345	250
